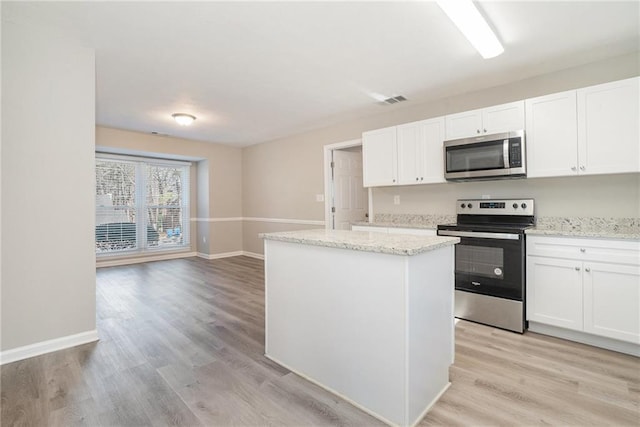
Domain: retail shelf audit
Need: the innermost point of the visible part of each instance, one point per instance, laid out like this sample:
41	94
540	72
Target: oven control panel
496	207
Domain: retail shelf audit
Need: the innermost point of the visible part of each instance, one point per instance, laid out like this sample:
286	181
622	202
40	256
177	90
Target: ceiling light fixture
183	119
465	15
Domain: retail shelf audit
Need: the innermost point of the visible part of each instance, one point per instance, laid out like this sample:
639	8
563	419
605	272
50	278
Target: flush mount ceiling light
183	119
464	14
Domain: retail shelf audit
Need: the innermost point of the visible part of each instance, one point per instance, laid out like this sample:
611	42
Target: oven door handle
479	235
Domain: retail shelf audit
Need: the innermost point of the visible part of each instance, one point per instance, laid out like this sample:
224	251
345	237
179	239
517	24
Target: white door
379	154
609	127
554	292
463	125
612	301
350	199
552	135
410	138
503	118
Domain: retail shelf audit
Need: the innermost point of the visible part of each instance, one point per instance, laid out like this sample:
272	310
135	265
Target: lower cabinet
585	285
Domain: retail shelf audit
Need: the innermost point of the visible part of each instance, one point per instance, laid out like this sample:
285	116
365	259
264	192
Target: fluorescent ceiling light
183	119
464	14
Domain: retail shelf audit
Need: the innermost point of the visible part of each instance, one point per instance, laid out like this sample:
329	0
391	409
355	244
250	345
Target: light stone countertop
429	222
393	244
609	228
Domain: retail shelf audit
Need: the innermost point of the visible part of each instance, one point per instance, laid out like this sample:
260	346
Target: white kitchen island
366	315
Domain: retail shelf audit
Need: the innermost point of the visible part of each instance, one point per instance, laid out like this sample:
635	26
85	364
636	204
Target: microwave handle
505	154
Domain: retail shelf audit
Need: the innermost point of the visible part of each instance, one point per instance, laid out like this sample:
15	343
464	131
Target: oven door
489	263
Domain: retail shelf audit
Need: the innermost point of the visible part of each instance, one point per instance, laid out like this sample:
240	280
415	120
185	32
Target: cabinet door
379	157
431	155
462	125
552	135
609	127
612	301
410	137
554	292
503	118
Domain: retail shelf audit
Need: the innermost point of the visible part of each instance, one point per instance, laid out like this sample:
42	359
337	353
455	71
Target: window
142	205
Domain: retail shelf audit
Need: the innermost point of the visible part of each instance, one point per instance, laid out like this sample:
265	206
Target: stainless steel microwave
496	156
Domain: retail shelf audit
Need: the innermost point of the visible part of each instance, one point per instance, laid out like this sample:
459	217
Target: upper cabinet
420	158
609	127
499	118
552	135
380	157
404	155
594	130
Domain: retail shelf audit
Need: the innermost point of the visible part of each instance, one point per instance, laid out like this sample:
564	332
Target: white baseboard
253	255
585	338
230	254
31	350
126	261
220	255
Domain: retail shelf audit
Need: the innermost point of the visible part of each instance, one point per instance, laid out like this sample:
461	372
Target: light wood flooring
182	343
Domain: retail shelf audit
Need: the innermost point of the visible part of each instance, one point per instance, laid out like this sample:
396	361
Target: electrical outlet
204	239
319	197
396	200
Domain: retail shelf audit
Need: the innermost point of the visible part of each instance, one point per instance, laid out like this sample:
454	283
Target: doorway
346	200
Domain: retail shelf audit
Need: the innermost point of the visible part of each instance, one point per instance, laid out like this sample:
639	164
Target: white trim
230	254
145	159
286	220
138	260
222	219
255	219
31	350
219	255
328	193
585	338
253	255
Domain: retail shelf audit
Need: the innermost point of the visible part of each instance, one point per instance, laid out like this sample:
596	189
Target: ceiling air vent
394	100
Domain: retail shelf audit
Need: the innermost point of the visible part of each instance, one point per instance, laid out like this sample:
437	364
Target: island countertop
393	244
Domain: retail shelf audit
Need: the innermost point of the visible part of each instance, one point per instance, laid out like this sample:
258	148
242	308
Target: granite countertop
409	221
393	244
611	228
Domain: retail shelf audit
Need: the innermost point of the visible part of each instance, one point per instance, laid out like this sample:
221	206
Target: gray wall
48	207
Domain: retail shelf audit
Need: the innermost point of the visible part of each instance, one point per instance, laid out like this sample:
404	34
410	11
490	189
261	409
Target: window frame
141	205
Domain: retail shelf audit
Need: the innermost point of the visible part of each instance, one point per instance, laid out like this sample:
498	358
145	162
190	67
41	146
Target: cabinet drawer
585	249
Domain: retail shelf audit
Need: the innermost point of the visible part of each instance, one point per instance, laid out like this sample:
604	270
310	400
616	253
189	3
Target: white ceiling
256	71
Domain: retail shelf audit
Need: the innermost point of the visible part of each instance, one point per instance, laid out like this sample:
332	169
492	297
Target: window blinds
141	205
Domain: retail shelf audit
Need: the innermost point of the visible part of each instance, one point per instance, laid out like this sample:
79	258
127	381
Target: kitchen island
366	315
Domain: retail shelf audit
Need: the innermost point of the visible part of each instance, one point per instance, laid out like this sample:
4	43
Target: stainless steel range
490	260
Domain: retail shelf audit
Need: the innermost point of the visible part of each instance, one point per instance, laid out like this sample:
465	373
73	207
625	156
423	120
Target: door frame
328	182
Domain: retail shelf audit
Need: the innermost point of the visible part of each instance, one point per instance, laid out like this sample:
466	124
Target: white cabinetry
586	285
420	158
594	130
499	118
552	135
379	157
609	127
404	155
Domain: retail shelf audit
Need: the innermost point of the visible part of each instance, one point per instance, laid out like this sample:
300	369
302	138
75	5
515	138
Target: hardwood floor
182	343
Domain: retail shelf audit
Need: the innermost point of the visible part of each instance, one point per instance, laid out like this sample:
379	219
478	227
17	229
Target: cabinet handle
485	131
573	168
583	250
422	178
577	268
582	168
477	130
394	180
587	269
416	178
